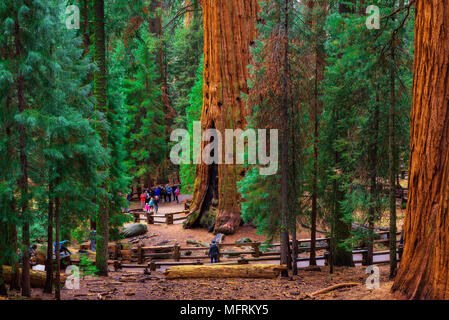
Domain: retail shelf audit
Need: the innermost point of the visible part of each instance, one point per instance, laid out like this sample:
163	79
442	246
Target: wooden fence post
140	254
256	245
176	252
116	250
327	254
152	265
365	258
169	218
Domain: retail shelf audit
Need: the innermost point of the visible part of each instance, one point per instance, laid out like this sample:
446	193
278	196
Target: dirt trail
177	233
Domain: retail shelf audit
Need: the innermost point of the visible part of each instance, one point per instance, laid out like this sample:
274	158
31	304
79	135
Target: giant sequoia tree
229	30
424	269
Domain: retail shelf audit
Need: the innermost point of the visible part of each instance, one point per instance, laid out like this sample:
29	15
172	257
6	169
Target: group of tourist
150	198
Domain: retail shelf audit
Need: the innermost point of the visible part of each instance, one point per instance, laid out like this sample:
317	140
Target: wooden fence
168	218
155	257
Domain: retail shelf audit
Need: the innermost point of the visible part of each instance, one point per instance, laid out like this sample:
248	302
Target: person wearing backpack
169	192
214	252
147	197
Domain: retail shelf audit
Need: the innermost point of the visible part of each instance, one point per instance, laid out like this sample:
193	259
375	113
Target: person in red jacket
142	200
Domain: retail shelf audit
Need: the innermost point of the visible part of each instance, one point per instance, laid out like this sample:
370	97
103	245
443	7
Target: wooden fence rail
169	218
142	256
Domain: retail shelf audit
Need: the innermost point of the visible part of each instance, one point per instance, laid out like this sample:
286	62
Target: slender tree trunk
312	260
57	252
294	253
3	291
284	145
15	278
424	269
11	231
392	162
3	242
373	184
315	21
23	180
229	30
85	26
101	105
49	261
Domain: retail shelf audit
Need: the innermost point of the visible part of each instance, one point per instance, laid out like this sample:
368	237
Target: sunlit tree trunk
229	30
424	269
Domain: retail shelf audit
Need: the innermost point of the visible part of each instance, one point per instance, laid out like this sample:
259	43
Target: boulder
133	230
244	240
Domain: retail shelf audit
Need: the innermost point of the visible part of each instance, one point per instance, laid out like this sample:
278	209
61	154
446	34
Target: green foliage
354	124
193	113
87	267
146	129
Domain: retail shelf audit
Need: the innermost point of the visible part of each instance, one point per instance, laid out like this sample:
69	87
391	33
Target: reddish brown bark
229	29
188	17
424	269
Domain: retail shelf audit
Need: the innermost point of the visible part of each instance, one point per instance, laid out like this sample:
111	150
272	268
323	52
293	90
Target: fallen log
334	287
267	271
37	278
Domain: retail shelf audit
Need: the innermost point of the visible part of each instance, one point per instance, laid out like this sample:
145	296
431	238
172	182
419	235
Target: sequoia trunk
424	269
229	29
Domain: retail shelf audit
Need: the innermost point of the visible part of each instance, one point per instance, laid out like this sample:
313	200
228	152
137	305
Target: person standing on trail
142	200
156	204
214	252
169	192
163	193
147	197
130	196
151	205
176	194
147	208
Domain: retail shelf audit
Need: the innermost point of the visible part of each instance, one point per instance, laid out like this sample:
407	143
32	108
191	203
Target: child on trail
214	252
151	205
147	208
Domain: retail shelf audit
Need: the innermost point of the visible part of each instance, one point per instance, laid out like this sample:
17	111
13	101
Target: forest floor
137	286
133	284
